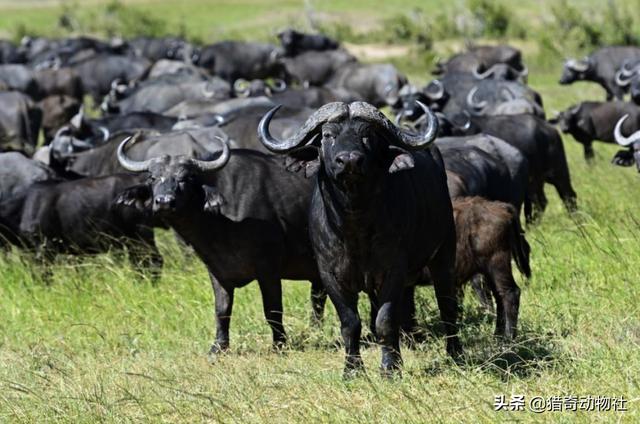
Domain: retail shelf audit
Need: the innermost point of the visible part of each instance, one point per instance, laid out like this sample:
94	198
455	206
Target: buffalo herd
276	162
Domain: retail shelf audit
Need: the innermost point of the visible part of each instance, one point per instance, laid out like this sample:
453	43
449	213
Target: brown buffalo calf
488	236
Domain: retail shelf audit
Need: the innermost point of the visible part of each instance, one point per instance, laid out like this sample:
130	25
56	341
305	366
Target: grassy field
101	343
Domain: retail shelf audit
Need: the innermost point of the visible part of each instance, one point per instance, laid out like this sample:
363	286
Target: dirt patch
377	52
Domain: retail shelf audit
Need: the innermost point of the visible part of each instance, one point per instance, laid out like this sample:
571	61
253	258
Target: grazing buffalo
155	49
377	84
632	142
98	72
601	67
82	216
380	213
68	155
502	72
246	219
595	121
65	82
19	78
9	53
488	237
316	68
164	93
294	42
57	110
481	58
18	172
20	121
476	172
492	97
231	60
541	145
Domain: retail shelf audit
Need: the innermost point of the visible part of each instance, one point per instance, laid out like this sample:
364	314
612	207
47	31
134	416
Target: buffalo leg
318	301
224	306
507	294
588	151
482	291
388	327
441	269
346	304
271	290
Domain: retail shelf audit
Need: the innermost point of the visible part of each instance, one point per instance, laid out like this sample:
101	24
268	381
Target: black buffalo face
352	152
354	144
575	70
174	181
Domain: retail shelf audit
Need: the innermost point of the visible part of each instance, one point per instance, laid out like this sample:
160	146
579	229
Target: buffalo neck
349	211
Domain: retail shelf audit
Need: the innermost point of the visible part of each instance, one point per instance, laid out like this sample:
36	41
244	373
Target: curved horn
76	121
484	75
627	70
129	164
467	123
578	66
510	93
81	144
622	140
105	133
398	118
241	87
438	94
212	165
278	85
206	92
622	79
328	112
471	101
409	139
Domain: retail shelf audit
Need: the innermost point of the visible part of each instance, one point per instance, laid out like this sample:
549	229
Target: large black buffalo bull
80	216
380	212
246	220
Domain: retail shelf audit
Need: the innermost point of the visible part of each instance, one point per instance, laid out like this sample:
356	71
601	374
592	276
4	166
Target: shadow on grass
531	352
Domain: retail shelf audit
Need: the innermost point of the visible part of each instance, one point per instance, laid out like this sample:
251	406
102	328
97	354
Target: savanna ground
102	343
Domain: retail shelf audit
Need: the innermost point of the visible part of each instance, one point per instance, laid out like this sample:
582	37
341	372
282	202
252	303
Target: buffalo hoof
454	348
391	373
217	349
354	367
279	346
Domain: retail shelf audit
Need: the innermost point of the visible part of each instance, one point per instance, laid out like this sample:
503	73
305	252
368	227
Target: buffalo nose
165	201
350	160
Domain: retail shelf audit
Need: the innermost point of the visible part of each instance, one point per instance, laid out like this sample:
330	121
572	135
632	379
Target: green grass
101	343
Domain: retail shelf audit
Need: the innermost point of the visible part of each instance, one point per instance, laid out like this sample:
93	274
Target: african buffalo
81	216
246	220
294	42
20	121
602	67
380	212
595	121
231	60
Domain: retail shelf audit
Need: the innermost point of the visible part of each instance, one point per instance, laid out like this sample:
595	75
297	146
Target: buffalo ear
402	160
137	197
213	200
306	158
